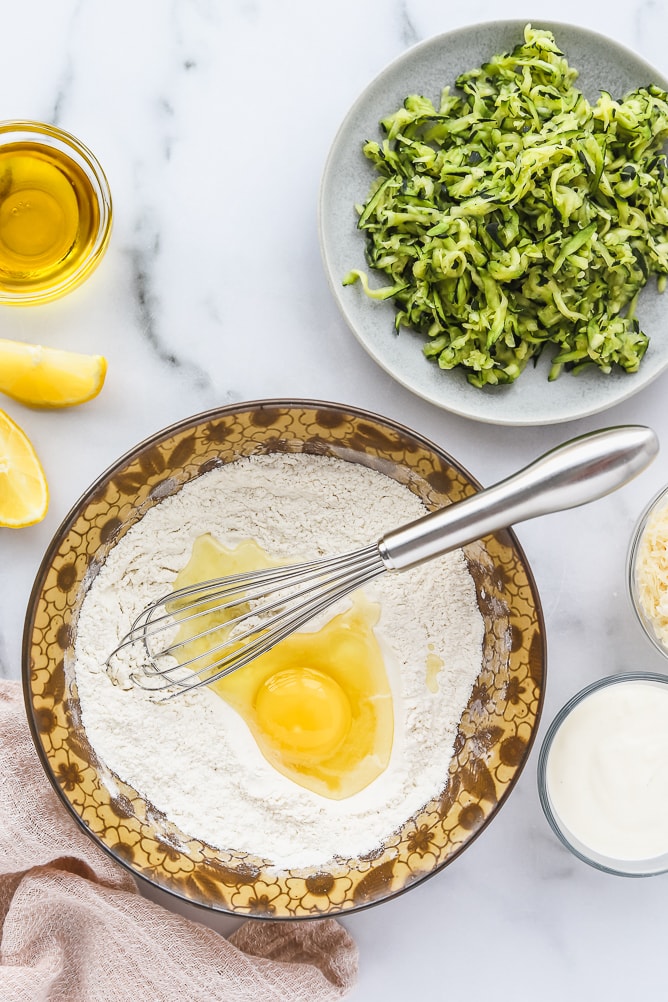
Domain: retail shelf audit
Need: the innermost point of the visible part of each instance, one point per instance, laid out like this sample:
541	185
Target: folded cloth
74	927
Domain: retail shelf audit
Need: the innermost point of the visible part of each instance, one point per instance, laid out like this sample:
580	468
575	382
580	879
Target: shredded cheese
651	572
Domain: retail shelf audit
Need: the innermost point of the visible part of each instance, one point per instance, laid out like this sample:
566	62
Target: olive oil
49	218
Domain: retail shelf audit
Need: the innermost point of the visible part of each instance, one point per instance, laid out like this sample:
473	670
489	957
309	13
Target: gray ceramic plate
426	68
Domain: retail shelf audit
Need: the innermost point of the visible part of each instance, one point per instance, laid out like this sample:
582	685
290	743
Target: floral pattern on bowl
496	731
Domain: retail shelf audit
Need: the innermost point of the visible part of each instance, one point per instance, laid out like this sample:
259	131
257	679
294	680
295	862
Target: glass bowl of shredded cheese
648	570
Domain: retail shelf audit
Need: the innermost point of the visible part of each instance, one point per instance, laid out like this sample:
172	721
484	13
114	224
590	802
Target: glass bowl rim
168	431
614	867
631	556
54	137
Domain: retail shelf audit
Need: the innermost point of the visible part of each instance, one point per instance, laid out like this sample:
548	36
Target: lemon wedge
49	377
24	493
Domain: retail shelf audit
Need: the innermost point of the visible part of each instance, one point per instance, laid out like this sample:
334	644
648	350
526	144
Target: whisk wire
269	622
268	581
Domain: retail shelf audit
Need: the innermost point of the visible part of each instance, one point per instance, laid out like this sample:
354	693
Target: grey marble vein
147	306
67	80
409	33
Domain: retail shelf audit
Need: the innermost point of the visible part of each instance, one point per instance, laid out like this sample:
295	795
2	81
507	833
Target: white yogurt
607	770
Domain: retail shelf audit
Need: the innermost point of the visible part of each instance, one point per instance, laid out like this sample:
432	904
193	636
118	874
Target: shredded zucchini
515	214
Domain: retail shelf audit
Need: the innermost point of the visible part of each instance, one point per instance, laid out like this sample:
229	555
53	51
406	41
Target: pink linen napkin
74	927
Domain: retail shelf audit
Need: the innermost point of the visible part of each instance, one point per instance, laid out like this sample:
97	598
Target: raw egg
319	704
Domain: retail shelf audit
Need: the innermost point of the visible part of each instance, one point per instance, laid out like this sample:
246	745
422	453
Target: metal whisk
263	607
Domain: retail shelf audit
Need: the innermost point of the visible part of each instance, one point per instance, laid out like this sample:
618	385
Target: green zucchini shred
515	215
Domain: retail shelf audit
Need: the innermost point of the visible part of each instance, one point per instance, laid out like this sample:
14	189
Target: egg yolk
304	710
318	704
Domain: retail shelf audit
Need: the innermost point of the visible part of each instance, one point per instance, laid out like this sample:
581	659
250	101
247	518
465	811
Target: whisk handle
581	470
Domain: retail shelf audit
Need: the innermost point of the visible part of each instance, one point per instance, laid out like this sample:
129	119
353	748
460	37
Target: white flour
192	757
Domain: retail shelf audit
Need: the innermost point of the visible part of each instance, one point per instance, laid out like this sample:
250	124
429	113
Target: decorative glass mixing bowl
495	734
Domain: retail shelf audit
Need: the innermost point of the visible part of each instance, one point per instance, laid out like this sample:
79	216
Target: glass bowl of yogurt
602	776
647	570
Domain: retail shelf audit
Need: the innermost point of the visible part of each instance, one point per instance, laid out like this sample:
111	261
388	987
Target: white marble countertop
213	121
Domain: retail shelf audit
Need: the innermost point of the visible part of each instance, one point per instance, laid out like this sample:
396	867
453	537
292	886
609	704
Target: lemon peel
24	492
44	377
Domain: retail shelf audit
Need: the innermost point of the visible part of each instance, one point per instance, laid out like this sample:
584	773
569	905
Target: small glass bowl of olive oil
55	212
